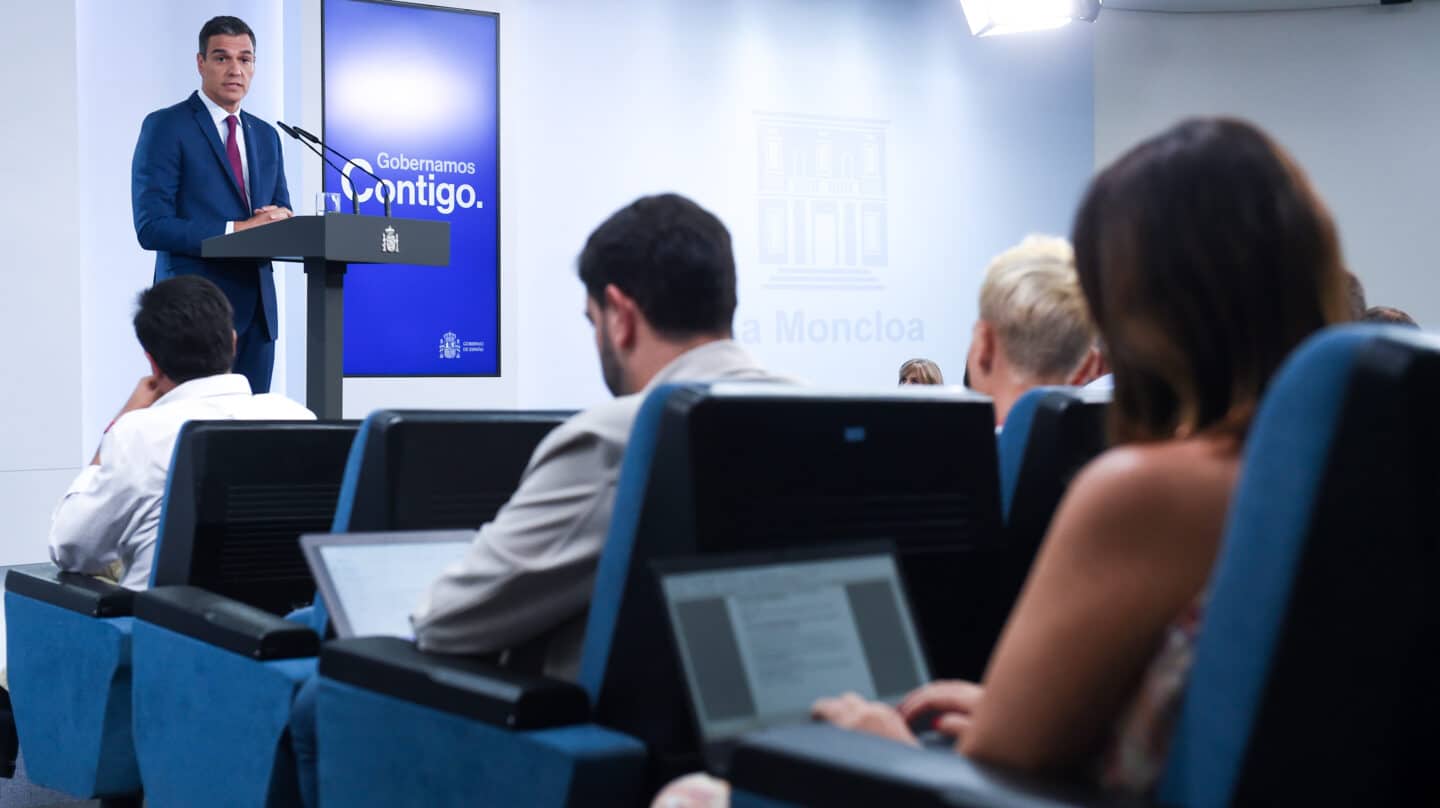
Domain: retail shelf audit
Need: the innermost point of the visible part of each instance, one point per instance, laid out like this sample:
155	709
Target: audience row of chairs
187	688
227	564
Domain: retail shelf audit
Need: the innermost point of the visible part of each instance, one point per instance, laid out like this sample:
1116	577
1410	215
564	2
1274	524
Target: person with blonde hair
920	371
1034	327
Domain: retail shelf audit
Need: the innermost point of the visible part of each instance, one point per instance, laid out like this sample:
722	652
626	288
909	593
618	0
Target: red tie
232	150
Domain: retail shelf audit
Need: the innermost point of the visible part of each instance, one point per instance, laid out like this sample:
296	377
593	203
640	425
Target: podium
327	245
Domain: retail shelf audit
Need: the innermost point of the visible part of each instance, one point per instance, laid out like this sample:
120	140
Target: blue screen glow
412	93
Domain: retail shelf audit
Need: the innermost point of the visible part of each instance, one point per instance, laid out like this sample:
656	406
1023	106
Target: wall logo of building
451	346
822	202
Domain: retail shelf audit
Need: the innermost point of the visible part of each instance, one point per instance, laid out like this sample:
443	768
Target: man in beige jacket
659	278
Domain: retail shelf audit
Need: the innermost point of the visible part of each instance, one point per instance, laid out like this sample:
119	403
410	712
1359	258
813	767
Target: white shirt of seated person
110	515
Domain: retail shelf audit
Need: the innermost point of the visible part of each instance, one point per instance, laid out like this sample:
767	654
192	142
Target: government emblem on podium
389	240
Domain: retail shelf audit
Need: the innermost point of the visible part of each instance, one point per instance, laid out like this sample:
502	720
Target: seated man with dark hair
108	520
659	278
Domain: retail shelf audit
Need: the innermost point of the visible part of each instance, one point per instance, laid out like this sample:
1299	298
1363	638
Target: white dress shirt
111	513
218	114
529	573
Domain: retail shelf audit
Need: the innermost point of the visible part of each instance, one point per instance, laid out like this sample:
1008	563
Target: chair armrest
225	623
819	764
69	590
464	686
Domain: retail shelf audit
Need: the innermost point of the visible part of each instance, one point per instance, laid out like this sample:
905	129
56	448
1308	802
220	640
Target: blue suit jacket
182	192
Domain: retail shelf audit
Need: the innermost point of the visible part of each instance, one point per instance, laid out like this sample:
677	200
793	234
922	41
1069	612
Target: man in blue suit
204	168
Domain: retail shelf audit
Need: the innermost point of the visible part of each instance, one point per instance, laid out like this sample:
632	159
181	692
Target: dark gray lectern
327	245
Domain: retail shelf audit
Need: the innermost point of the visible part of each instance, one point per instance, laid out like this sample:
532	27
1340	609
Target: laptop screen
759	643
371	582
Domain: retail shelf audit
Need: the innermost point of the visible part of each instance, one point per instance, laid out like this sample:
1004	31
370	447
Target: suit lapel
250	145
212	136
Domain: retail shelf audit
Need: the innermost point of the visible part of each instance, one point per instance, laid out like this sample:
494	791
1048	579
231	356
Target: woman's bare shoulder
1130	492
1138	474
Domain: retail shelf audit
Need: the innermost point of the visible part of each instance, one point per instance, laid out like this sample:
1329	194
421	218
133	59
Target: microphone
354	203
378	183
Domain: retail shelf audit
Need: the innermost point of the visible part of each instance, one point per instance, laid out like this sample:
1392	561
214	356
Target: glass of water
327	202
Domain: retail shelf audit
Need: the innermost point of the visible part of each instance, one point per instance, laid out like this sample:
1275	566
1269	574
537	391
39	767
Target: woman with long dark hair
1206	258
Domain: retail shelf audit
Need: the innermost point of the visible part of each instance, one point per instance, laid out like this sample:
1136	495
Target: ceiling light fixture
996	17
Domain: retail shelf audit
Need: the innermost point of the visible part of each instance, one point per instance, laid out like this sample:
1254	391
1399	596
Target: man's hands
146	392
952	703
264	216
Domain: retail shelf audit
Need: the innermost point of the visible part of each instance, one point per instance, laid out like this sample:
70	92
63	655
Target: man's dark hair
1389	314
224	26
185	324
673	257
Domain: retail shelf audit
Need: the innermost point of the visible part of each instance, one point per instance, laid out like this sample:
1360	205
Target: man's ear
234	345
155	371
200	63
622	315
982	348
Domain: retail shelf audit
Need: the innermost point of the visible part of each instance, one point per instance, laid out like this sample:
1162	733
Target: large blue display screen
412	93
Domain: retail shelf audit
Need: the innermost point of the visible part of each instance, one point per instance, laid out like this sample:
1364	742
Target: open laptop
761	636
371	582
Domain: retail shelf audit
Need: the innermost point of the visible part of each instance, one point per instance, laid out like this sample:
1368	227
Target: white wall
1354	93
40	315
984	141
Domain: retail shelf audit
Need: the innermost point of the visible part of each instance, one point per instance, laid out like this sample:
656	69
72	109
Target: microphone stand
379	184
354	203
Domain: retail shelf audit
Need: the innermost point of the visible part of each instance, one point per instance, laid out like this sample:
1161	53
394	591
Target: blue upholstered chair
227	565
395	724
1313	681
720	469
1049	435
70	637
216	680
